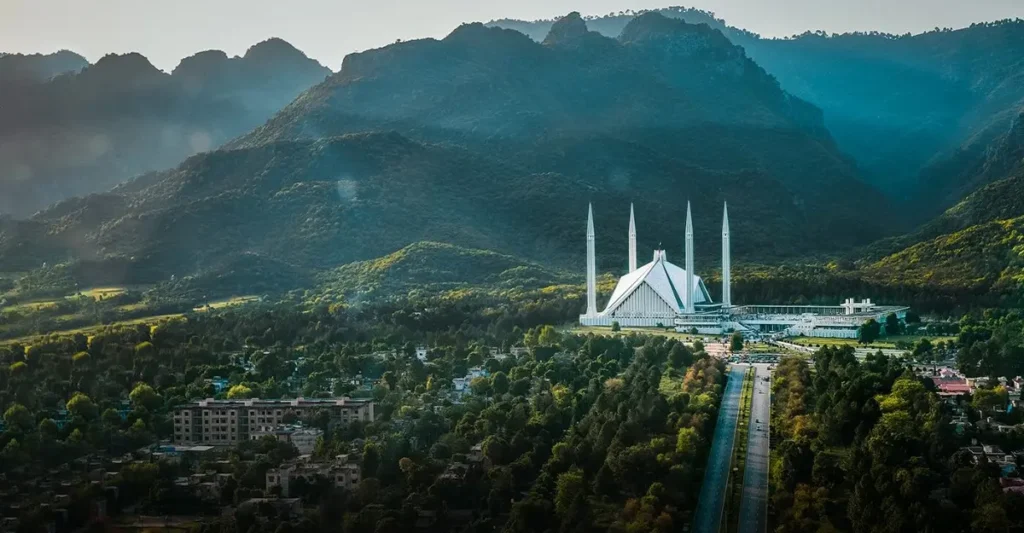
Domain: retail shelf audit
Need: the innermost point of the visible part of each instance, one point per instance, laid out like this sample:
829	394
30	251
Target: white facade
650	295
660	294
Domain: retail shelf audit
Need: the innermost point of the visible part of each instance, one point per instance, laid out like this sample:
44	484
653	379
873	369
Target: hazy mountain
318	204
87	131
35	68
503	142
681	90
918	113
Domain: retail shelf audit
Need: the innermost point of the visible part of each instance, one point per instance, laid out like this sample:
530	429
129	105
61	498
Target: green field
151	320
29	307
228	302
887	342
672	334
134	307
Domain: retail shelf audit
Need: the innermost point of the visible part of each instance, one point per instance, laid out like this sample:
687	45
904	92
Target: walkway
712	493
754	502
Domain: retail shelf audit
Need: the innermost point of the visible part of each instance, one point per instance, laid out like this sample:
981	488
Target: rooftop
296	402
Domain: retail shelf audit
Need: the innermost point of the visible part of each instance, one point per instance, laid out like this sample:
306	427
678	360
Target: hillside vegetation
68	128
498	143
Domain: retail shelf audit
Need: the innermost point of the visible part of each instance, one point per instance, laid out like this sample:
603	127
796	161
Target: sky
166	31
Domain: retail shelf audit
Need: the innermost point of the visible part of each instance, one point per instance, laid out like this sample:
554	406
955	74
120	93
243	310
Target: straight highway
708	517
754	499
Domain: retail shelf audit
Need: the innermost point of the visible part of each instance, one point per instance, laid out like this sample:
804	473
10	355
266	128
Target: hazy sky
327	30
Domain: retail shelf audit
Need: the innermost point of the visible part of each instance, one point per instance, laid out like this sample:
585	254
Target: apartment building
228	422
303	438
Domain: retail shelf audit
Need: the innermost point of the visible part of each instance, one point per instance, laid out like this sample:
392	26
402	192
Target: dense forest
579	432
867	446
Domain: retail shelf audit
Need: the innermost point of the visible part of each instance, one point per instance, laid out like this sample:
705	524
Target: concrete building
228	422
303	438
660	294
342	473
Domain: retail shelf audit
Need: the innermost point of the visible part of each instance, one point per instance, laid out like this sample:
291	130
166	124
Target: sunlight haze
328	30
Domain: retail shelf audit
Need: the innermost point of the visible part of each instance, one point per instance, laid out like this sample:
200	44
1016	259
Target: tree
371	460
869	331
548	336
569	486
145	350
144	396
680	356
922	348
988	400
239	392
390	379
18	417
736	342
480	386
499	382
616	326
48	428
82	406
892	324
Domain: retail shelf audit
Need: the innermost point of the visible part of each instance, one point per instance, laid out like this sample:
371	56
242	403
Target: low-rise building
342	473
303	438
228	422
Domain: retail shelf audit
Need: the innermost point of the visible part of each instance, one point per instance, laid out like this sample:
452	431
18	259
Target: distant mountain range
486	139
492	140
68	128
38	68
916	112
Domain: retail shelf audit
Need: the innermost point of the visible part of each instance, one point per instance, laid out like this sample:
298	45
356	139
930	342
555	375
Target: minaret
632	240
591	265
726	259
689	261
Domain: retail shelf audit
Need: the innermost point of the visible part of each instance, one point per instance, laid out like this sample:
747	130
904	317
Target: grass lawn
598	330
33	306
887	342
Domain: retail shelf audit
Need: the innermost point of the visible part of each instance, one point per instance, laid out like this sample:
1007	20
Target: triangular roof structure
666	280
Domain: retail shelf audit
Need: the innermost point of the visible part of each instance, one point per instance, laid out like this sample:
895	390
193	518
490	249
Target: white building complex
660	294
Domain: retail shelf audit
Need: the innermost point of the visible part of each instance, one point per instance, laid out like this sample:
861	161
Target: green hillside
432	267
497	143
98	125
987	257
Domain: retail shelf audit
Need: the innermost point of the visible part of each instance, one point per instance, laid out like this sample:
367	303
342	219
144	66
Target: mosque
661	294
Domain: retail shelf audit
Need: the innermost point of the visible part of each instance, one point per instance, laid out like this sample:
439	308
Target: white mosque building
661	294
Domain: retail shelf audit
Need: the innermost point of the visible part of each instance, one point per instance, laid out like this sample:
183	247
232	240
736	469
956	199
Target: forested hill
497	142
587	106
68	128
323	203
918	113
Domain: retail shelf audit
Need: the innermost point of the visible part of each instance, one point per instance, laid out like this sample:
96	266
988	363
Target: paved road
712	493
754	502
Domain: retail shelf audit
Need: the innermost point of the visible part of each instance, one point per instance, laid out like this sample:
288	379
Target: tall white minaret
689	261
632	240
726	259
591	265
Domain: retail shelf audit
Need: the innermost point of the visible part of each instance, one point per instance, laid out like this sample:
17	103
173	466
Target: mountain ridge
89	130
